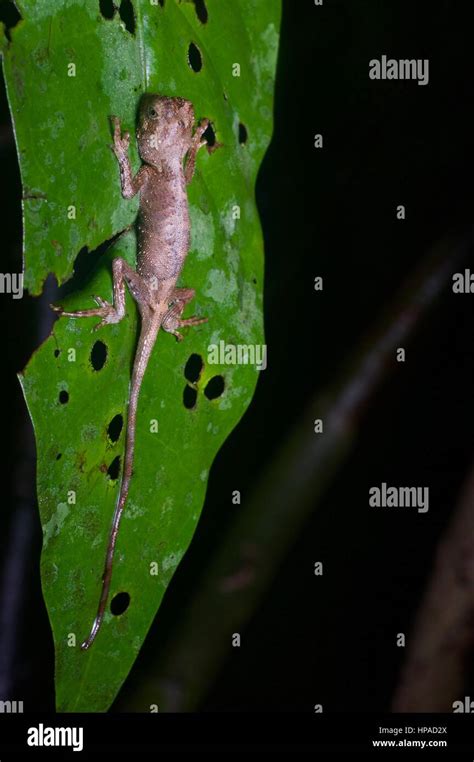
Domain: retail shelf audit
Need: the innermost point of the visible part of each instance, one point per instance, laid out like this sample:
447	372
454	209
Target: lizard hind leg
113	313
104	310
172	319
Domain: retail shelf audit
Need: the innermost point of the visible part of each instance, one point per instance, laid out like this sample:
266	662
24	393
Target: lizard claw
101	302
115	122
121	142
57	307
201	128
100	324
106	311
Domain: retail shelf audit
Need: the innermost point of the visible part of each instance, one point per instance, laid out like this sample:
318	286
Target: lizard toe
102	302
100	325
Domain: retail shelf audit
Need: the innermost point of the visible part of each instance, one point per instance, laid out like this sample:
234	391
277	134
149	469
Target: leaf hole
189	397
161	3
201	10
10	17
214	388
194	57
243	134
57	352
119	603
59	456
209	136
114	468
107	8
63	396
193	368
127	15
114	428
98	355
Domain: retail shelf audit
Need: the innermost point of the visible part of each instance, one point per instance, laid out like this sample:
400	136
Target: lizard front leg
130	185
196	144
113	313
122	272
172	318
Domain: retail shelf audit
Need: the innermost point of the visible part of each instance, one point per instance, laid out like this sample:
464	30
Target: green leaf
63	133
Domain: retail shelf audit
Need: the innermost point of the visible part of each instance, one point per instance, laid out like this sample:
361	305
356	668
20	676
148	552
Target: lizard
166	138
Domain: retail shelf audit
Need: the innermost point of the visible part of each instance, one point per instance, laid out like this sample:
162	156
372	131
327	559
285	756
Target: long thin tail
143	352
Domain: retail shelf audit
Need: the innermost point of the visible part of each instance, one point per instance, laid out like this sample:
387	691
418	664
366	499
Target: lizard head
165	127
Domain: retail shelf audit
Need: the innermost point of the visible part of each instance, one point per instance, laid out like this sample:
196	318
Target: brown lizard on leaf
165	138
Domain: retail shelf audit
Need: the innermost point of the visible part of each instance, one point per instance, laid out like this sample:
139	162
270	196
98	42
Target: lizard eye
152	112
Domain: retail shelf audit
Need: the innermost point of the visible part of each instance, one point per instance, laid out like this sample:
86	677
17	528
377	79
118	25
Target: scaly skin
165	137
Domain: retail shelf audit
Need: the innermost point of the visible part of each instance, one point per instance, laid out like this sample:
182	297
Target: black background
327	212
